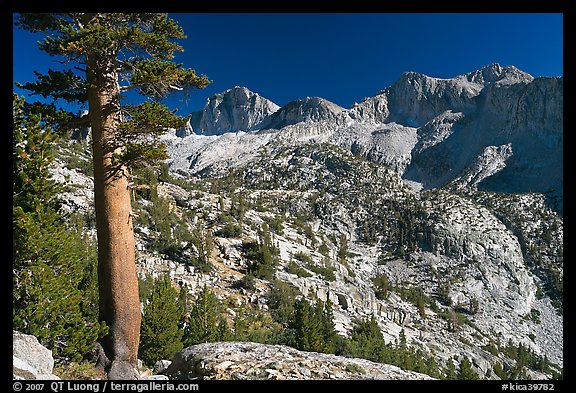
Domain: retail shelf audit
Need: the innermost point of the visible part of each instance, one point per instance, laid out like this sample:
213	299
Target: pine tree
307	326
450	372
202	324
465	370
204	244
223	331
162	221
368	342
420	304
281	300
112	53
160	331
343	249
499	371
53	274
328	328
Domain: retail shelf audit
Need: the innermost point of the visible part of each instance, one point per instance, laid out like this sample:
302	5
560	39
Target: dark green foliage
491	348
32	152
342	254
325	270
281	299
312	326
525	358
204	245
223	332
230	228
343	249
247	282
499	371
145	286
54	273
534	315
238	207
303	257
443	293
465	370
473	307
161	331
328	327
381	286
420	304
261	262
162	220
366	341
276	224
204	323
253	324
400	225
450	373
293	268
262	255
324	250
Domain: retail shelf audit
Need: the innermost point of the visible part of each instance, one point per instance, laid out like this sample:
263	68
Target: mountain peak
495	73
236	109
306	109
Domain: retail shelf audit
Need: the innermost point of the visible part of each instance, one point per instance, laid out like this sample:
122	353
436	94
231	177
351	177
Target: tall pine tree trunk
118	282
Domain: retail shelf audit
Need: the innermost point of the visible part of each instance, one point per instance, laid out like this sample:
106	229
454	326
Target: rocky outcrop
30	359
249	361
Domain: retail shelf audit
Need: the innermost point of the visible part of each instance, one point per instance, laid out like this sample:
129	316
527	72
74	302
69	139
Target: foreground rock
247	360
30	359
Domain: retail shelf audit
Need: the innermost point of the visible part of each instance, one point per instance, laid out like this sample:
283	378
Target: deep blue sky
339	56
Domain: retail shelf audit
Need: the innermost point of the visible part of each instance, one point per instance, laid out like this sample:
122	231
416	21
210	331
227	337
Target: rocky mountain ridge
432	130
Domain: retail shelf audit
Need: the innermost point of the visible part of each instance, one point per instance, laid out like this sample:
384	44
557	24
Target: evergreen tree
432	368
343	249
450	372
367	341
262	254
223	331
381	286
328	328
109	54
307	326
160	331
162	220
240	326
281	300
204	244
53	267
202	324
499	371
465	370
420	304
